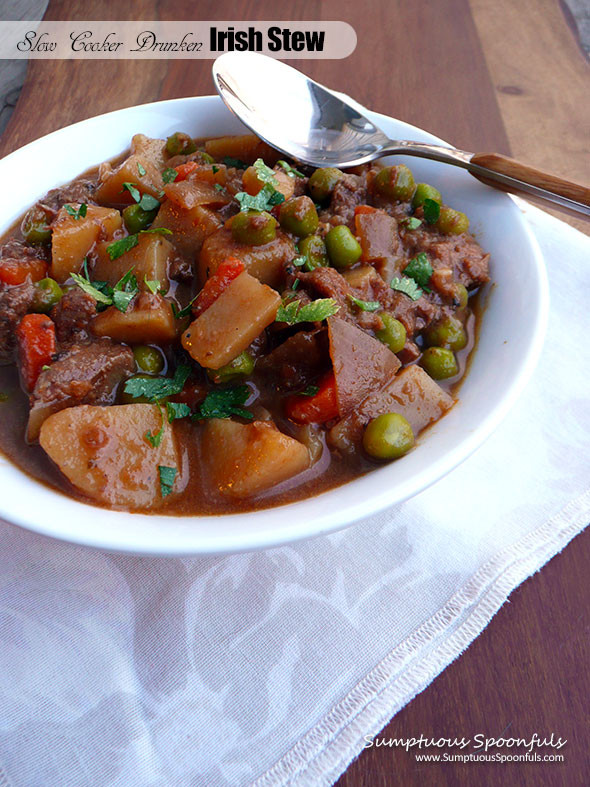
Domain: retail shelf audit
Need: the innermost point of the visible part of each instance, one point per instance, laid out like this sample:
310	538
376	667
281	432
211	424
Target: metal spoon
315	125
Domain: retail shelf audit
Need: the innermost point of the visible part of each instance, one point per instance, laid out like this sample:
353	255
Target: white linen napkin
271	667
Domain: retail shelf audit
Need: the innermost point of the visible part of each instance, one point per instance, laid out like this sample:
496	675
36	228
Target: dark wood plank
391	71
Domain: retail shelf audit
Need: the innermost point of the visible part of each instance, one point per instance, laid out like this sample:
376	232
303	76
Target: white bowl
510	342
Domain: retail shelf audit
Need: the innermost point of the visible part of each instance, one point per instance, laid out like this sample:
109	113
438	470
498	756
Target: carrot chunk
17	271
36	346
229	270
184	170
317	409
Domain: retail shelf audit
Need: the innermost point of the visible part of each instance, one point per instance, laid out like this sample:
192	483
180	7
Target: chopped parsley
167	477
407	286
120	247
156	439
153	286
176	410
316	311
295	284
180	313
291	171
156	388
77	214
92	289
169	175
411	223
119	296
266	199
214	169
218	187
365	306
420	270
141	169
223	403
234	162
145	201
431	210
264	173
124	291
311	390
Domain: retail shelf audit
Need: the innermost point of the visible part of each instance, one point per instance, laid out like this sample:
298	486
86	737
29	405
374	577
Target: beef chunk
461	253
349	191
298	360
328	283
15	302
181	269
82	374
72	315
79	191
15	249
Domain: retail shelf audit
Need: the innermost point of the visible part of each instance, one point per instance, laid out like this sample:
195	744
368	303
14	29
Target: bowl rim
214	542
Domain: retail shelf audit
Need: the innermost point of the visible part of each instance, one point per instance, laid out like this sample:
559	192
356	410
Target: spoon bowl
317	126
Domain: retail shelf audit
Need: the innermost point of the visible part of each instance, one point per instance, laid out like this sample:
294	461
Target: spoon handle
494	169
504	173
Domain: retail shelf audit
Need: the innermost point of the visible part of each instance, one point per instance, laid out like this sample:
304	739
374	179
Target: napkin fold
270	668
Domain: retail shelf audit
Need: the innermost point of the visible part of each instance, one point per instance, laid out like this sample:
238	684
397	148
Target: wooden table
484	75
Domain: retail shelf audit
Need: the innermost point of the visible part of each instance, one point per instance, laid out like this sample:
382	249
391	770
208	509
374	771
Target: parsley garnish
420	270
119	247
119	296
234	162
214	169
179	314
156	388
291	171
218	187
316	311
431	210
264	173
412	223
169	175
177	410
407	286
146	201
156	439
77	214
133	190
266	199
223	403
295	284
311	390
153	286
124	291
141	169
366	306
91	289
167	476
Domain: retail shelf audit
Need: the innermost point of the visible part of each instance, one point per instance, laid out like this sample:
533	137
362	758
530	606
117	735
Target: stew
201	327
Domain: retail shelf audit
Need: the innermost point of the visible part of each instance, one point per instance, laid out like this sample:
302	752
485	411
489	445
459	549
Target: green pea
342	247
47	294
35	228
206	158
388	436
180	144
149	359
242	366
461	296
452	222
439	362
253	227
393	333
395	183
448	332
313	249
321	183
126	398
299	216
137	219
424	192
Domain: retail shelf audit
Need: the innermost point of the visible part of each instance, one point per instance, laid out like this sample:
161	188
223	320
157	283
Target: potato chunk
147	156
189	227
245	459
104	452
265	262
232	322
247	148
411	393
148	319
73	238
149	260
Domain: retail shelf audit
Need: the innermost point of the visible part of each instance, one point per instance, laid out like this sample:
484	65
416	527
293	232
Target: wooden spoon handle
510	175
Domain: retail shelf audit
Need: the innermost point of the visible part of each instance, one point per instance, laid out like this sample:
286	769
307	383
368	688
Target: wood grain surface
498	76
